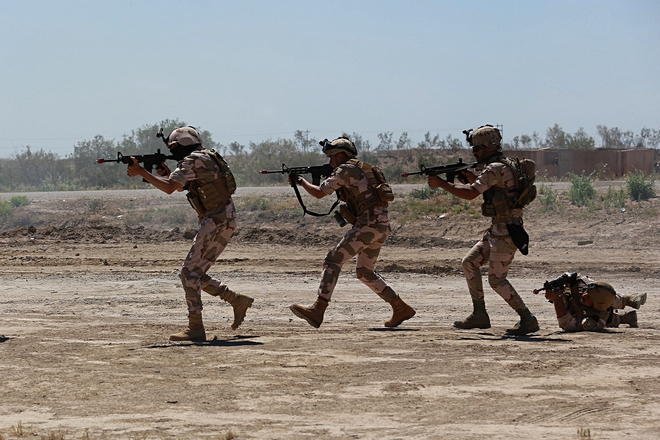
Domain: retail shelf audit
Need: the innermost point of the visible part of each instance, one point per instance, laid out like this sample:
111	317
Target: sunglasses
476	148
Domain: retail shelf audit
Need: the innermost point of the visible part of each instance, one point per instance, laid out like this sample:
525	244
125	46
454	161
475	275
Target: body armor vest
498	200
379	192
208	195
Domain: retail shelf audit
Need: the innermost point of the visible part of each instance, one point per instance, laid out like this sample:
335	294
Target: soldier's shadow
234	341
392	329
480	336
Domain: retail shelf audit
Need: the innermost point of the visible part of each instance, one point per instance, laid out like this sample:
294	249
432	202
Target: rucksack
524	174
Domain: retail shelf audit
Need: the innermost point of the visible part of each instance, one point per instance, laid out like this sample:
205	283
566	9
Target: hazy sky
254	70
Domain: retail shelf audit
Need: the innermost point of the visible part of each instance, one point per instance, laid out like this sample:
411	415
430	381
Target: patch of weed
639	186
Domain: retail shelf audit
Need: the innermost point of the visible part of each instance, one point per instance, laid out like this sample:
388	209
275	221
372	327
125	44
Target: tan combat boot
477	319
240	304
635	301
314	314
195	331
629	318
400	312
527	324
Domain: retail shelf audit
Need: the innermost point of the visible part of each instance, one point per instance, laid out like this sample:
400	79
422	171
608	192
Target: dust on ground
87	307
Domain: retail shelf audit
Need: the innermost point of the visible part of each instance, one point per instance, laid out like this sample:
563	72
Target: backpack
524	174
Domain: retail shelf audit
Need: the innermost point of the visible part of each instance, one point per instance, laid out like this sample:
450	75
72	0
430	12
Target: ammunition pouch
346	214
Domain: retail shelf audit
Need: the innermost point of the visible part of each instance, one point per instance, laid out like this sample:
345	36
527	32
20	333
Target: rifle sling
307	211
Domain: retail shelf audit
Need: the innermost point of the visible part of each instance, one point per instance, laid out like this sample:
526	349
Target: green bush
639	186
548	198
614	198
7	206
582	192
17	201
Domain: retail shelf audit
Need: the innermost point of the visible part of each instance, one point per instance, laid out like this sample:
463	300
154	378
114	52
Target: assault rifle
558	283
150	161
450	170
316	171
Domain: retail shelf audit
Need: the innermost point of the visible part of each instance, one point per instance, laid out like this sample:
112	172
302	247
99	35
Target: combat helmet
184	136
340	145
601	294
488	136
181	141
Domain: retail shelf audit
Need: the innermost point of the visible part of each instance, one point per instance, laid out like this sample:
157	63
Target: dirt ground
86	311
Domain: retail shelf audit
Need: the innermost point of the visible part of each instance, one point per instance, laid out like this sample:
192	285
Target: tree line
38	170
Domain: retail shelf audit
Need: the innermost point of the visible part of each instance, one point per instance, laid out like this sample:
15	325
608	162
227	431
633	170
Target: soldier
496	248
210	184
582	304
363	189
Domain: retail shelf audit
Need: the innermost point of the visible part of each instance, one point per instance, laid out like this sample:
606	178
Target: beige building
552	162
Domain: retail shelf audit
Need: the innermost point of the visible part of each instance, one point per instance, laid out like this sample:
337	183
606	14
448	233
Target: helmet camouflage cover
488	136
339	145
601	294
184	136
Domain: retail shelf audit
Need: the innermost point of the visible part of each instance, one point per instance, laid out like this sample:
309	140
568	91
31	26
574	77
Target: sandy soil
86	310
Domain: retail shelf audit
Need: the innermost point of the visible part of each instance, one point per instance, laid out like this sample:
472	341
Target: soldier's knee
364	274
494	281
329	264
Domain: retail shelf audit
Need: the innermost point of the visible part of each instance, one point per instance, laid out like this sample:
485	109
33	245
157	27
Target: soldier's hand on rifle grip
294	179
553	295
434	181
133	169
163	169
466	177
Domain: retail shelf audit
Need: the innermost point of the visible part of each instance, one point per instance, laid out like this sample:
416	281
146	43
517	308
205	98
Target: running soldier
210	184
582	304
497	249
363	190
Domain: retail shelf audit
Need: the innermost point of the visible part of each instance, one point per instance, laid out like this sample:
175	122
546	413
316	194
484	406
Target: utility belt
345	215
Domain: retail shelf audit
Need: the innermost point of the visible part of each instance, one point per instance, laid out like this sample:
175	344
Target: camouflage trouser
365	242
498	252
211	239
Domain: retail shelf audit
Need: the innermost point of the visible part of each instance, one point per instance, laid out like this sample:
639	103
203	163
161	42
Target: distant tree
556	137
525	141
514	145
302	140
236	149
430	142
616	138
452	143
38	169
581	141
386	142
89	174
363	146
404	142
650	138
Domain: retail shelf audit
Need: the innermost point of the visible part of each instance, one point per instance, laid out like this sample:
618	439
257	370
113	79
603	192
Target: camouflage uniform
364	239
216	229
577	312
496	247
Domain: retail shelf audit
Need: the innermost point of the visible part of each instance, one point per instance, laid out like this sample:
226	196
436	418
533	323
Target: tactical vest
499	201
207	195
379	193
